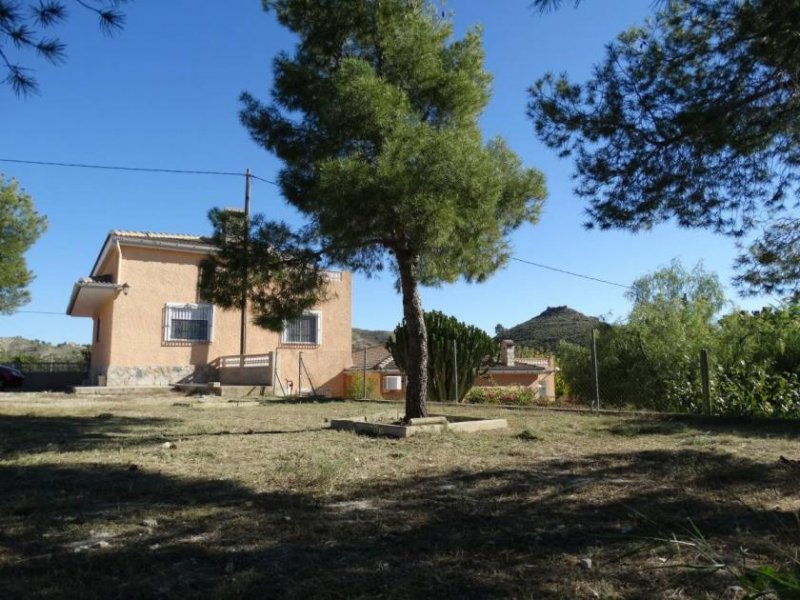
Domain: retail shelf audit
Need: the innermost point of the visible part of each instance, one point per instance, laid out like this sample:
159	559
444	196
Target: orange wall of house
529	380
377	380
101	345
326	362
157	277
101	348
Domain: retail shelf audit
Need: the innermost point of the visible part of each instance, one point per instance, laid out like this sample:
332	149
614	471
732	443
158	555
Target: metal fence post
596	403
299	372
364	376
455	370
705	380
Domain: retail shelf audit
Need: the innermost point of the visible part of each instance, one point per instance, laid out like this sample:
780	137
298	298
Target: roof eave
183	246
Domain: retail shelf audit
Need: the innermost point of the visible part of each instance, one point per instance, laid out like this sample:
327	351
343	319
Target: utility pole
246	250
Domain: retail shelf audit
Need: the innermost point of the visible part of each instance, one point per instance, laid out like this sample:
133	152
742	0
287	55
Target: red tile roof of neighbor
380	359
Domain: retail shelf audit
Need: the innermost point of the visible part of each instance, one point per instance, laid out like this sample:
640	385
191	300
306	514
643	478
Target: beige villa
151	328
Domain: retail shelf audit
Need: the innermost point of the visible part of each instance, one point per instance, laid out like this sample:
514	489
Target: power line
522	260
134	169
573	274
236	174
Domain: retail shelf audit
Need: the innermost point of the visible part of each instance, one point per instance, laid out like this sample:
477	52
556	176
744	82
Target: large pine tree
375	117
694	117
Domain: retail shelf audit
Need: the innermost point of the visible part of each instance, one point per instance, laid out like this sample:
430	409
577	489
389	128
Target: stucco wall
376	381
529	380
101	344
160	276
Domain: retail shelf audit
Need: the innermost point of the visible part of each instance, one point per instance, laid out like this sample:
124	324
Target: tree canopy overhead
375	118
20	227
693	117
26	28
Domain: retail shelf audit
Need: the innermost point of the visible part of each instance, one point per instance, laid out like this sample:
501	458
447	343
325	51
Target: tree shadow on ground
31	434
468	534
305	400
737	426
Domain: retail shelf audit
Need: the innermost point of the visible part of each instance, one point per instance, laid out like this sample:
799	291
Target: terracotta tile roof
378	359
516	368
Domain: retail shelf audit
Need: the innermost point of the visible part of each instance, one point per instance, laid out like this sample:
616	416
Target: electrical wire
237	174
573	274
134	169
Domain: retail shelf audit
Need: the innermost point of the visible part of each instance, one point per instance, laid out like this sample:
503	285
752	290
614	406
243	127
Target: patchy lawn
166	497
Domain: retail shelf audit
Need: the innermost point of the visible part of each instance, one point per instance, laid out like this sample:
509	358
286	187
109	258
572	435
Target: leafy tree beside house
375	117
474	351
20	227
652	360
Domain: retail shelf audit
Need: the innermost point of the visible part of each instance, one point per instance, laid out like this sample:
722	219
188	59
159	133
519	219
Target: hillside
546	330
369	337
12	347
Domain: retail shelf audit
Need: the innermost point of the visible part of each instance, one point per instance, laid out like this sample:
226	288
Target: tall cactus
474	350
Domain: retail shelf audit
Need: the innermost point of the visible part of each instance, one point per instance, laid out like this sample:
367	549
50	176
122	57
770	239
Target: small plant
355	389
527	435
316	471
783	584
508	395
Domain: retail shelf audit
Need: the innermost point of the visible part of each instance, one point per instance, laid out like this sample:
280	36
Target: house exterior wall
529	380
103	324
375	379
133	350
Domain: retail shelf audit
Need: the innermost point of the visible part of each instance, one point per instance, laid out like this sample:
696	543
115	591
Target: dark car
10	377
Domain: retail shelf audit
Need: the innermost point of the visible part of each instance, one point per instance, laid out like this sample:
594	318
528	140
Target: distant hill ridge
547	329
369	337
13	347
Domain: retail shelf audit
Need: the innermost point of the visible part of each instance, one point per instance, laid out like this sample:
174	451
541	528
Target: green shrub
755	390
508	395
355	389
474	351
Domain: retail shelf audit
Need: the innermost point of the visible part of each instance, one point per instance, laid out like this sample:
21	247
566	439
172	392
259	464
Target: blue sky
164	94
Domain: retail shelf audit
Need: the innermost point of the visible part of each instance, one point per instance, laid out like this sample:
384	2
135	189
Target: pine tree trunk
417	371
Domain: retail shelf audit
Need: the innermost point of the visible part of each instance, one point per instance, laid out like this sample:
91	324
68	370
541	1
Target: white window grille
305	330
188	323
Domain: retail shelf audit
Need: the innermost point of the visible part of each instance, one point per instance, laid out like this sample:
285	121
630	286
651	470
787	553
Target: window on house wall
305	330
97	329
188	323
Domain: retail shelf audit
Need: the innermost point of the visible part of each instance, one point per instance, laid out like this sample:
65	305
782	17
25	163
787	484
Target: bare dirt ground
169	497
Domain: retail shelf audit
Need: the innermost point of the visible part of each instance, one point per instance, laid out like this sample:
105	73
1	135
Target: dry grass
264	502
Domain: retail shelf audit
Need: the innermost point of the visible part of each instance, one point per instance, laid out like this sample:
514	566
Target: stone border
434	424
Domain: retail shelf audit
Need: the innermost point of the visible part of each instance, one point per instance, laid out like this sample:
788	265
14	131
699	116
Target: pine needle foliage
26	27
274	268
375	117
692	117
